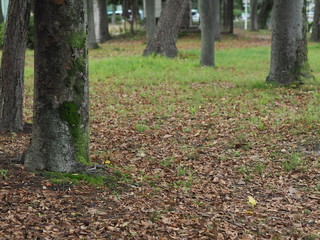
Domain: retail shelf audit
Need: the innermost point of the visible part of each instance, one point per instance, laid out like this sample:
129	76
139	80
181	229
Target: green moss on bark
77	40
69	113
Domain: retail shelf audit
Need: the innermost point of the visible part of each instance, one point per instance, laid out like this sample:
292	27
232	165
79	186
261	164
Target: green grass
116	182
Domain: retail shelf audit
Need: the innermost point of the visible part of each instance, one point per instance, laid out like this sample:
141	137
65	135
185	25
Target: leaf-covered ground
184	150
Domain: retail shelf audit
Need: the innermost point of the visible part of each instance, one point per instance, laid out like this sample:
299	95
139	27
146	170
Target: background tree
101	21
254	15
227	23
217	19
1	15
92	40
264	13
60	133
207	32
315	35
289	46
164	39
12	66
150	18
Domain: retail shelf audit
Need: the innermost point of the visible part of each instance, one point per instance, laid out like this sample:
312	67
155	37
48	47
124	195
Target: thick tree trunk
12	66
227	25
315	35
264	13
289	64
254	15
92	40
217	19
164	39
207	32
101	21
60	133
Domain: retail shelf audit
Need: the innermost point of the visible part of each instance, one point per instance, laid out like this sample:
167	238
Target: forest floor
183	147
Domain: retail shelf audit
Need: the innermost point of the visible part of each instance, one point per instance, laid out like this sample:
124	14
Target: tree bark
164	39
12	66
207	32
92	40
315	35
150	18
254	15
101	21
185	22
227	25
264	13
289	64
60	132
217	19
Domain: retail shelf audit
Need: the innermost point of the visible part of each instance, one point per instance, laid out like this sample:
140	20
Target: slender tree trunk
164	39
101	21
217	19
150	18
289	64
207	32
227	25
92	40
12	66
254	15
264	13
315	35
60	133
1	15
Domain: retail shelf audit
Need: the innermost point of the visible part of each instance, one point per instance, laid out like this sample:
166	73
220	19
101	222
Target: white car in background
195	15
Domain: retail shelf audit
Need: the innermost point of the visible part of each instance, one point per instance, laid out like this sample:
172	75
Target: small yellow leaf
252	201
107	162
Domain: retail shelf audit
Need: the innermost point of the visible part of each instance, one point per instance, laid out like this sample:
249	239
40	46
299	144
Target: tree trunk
92	40
217	19
101	21
207	32
60	133
254	15
164	40
227	25
12	66
185	22
289	64
150	18
1	15
315	35
264	13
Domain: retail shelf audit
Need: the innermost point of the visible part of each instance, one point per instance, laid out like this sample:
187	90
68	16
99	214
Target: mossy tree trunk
60	133
207	32
12	66
163	41
227	24
289	65
264	13
315	35
101	21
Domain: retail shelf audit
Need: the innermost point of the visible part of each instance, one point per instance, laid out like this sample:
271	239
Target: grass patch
116	182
